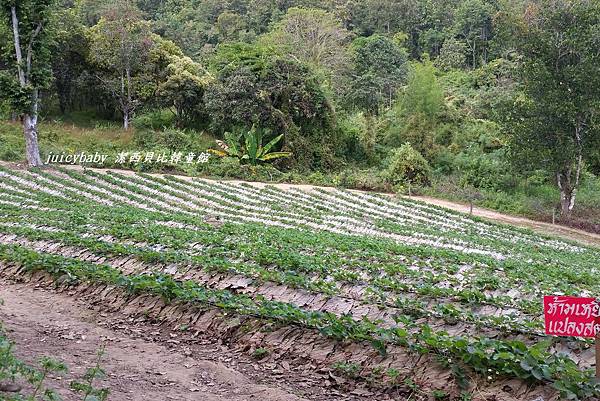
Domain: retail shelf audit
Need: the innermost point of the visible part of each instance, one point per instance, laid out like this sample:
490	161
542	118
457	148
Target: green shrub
484	170
361	137
175	139
169	138
154	120
230	167
408	166
372	179
260	353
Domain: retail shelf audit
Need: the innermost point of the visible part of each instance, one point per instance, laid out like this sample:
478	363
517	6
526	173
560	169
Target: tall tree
183	89
254	85
119	46
27	64
416	114
69	61
473	24
381	67
315	37
555	124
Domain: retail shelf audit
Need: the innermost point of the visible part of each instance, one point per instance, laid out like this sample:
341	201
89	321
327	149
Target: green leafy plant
260	353
408	166
248	148
349	369
86	387
14	371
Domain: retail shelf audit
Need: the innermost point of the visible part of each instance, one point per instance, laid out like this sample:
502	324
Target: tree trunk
567	182
32	151
567	190
129	110
15	26
567	201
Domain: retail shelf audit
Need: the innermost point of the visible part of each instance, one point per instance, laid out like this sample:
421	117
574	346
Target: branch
35	33
108	86
578	130
558	175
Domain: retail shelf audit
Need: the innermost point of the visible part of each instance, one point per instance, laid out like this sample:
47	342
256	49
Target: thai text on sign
571	316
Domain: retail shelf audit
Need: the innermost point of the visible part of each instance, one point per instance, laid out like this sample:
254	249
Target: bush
368	180
230	167
169	138
361	137
407	166
154	120
484	170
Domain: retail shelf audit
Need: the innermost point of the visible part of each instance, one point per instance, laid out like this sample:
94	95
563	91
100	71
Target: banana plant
248	147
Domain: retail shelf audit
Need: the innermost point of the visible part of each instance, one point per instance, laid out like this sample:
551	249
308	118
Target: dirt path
42	323
538	226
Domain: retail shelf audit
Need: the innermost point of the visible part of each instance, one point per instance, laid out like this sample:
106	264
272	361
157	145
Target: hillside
332	200
383	291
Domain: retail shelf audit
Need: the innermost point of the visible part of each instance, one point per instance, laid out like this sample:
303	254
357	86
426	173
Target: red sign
571	316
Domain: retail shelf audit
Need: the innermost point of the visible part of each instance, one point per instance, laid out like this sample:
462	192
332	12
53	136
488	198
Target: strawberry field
390	291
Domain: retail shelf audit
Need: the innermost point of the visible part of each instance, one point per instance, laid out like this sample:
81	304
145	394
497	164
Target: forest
493	102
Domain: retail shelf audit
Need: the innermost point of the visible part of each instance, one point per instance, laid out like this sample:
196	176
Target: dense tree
381	66
419	105
70	59
183	89
473	24
554	123
385	17
191	24
255	86
230	26
26	67
452	54
434	26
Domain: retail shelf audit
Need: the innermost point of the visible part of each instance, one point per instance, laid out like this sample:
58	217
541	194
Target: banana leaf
275	155
272	143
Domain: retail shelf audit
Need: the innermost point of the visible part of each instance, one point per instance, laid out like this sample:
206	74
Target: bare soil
141	364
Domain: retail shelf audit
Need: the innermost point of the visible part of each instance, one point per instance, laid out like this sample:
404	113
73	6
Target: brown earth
148	356
140	363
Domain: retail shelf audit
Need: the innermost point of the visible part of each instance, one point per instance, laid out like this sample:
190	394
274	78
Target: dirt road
42	322
537	226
